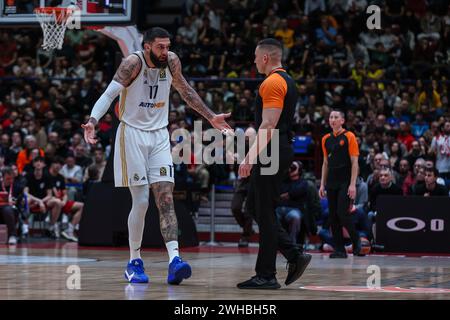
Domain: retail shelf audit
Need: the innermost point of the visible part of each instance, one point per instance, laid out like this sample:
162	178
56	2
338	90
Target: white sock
136	219
135	250
70	228
172	250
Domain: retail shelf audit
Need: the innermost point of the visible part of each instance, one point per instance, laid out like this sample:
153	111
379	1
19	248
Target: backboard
92	12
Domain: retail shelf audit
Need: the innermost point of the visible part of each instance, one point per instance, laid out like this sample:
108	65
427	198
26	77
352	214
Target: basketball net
53	22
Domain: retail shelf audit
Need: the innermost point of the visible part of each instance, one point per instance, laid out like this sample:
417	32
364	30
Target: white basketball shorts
142	157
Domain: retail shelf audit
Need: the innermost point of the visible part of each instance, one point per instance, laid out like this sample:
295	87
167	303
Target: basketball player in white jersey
142	156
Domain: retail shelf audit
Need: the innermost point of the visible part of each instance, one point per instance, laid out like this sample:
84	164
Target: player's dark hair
156	32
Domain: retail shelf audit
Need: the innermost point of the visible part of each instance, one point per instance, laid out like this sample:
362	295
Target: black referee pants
340	216
263	193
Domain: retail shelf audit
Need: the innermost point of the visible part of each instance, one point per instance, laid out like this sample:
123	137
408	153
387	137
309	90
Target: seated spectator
410	180
326	32
404	135
314	7
73	174
429	164
11	197
397	116
81	157
24	156
29	168
292	200
286	35
405	175
385	186
419	181
39	195
69	207
431	187
99	163
188	31
415	152
93	177
419	127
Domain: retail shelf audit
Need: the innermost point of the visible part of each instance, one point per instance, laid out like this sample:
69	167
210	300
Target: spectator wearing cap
24	156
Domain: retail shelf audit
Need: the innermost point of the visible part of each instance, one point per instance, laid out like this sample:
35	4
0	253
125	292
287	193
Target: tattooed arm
167	218
127	72
191	97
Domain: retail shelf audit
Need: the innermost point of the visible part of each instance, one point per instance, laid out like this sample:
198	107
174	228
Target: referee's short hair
342	113
272	45
270	42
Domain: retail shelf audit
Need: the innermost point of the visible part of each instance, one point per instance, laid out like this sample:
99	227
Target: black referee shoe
296	268
258	282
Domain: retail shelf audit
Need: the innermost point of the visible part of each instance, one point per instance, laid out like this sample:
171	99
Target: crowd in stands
392	84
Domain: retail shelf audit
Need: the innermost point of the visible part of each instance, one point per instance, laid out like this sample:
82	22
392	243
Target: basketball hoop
54	22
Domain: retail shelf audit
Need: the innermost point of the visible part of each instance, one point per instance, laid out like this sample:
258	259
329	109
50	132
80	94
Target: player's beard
158	63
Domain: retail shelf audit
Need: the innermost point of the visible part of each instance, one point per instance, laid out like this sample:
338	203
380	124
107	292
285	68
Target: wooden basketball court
42	271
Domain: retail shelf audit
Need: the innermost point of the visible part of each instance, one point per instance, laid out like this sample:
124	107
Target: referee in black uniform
339	173
275	106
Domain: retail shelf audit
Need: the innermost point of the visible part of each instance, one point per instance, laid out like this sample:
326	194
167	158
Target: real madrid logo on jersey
162	75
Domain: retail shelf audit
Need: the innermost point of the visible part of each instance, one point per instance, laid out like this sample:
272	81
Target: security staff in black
339	173
275	106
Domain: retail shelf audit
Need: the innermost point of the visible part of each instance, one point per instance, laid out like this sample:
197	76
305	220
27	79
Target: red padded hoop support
62	14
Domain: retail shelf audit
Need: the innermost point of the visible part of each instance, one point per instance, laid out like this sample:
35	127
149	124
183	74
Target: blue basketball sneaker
178	270
135	272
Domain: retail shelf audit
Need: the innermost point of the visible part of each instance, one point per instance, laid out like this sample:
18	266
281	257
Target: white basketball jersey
144	104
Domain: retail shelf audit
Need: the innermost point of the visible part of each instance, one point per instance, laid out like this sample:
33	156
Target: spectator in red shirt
405	136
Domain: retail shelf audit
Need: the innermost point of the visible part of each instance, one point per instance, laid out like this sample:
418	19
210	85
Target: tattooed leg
164	201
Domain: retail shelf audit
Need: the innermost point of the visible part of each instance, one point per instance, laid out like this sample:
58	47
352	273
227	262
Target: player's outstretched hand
89	132
218	122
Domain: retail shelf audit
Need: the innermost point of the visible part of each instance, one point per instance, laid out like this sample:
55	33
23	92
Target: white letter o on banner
392	224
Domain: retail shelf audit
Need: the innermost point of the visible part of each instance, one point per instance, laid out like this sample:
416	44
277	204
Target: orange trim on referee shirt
273	91
324	150
353	149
